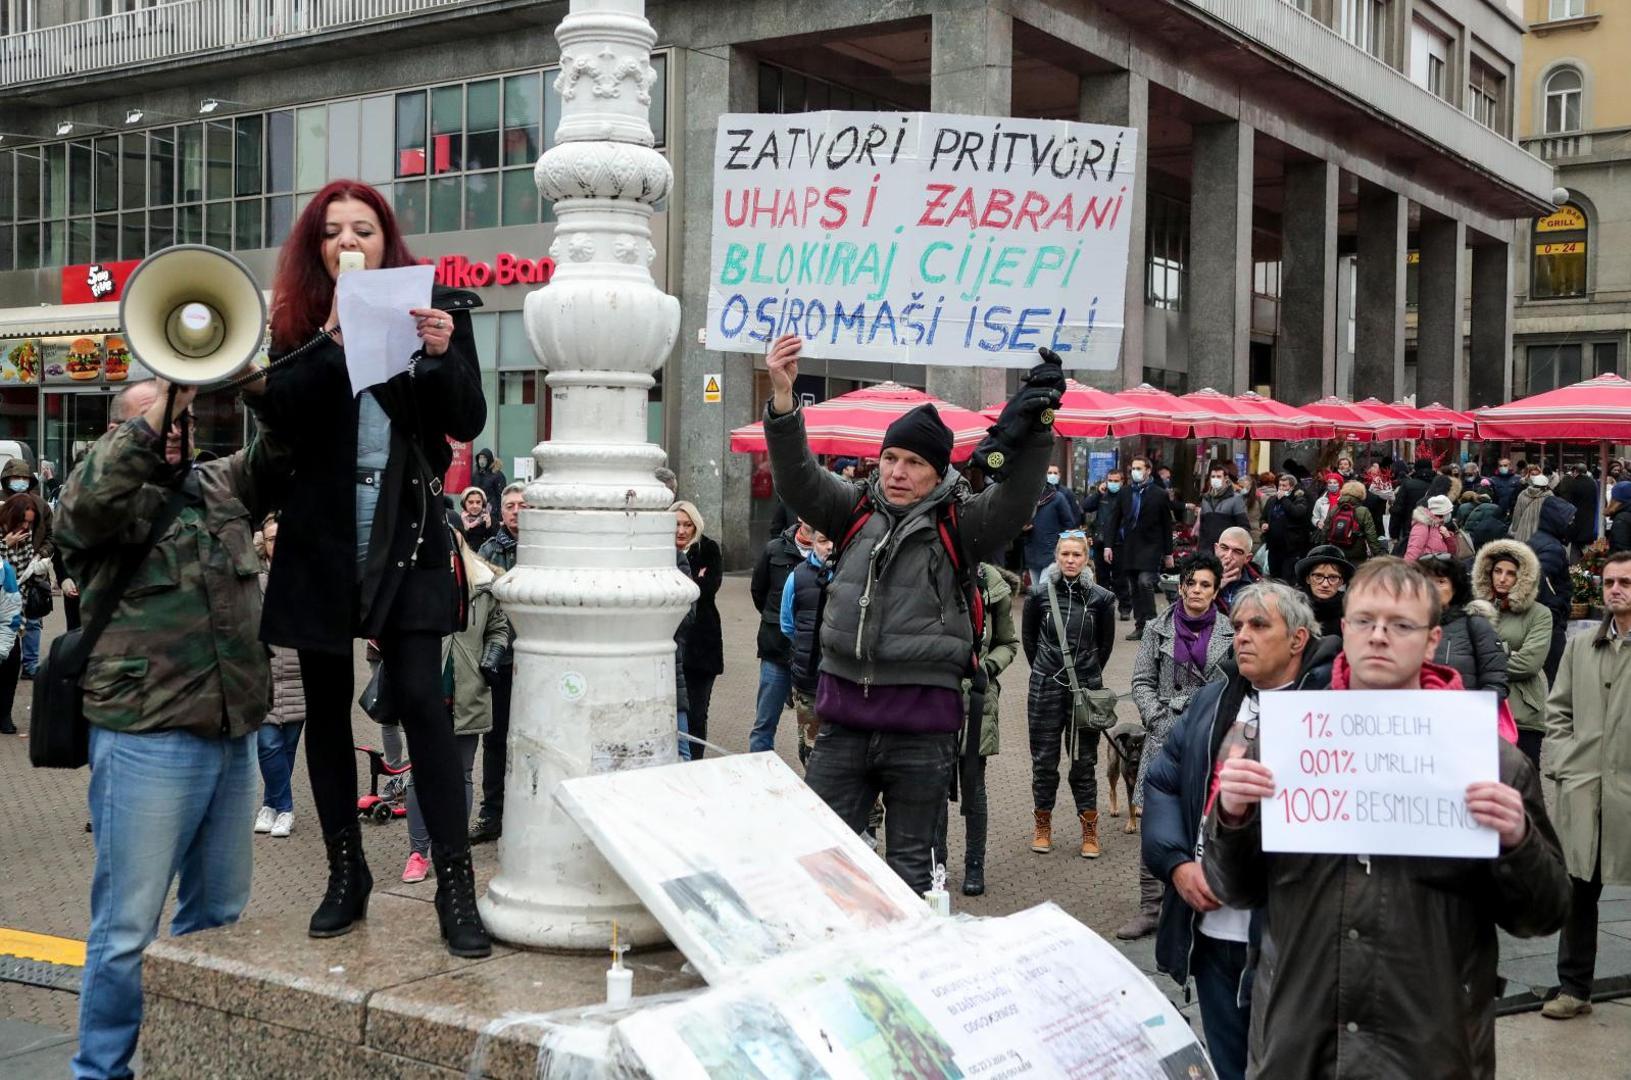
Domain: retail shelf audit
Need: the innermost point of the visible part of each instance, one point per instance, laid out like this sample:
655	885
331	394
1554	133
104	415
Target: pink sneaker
418	868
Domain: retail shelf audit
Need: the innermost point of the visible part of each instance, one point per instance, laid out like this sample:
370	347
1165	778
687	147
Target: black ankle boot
974	856
349	882
456	903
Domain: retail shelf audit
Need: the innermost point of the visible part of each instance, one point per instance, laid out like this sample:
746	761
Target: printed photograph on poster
71	360
848	887
20	361
721	918
1378	772
921	237
750	1040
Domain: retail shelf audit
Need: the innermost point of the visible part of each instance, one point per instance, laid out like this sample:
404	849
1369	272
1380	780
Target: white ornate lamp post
595	595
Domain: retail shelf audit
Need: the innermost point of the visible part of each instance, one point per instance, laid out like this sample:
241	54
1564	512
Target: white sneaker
284	824
263	820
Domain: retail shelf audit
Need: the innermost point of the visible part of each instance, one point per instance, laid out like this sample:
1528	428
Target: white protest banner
921	238
1378	772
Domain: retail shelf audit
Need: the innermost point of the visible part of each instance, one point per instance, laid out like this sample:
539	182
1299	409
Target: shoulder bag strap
1064	646
131	561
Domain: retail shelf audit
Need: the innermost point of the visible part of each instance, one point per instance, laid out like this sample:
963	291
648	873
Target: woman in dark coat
1470	643
704	644
384	571
1286	527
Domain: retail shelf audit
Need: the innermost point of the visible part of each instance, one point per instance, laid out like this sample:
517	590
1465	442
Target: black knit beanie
923	433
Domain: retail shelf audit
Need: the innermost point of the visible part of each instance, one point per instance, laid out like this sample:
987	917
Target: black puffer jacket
1089	613
1471	646
776	561
1409	494
1549	543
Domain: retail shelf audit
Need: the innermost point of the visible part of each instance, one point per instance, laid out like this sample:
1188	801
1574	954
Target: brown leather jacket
1386	970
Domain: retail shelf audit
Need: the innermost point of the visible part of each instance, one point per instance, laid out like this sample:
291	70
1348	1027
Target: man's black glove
492	658
1030	410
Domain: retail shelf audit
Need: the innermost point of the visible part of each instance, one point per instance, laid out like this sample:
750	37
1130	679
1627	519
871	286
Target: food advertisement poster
19	361
71	359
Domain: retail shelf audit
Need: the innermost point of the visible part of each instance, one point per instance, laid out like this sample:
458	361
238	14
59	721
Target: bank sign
921	237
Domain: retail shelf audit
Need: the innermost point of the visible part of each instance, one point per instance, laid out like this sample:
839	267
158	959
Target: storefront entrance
73	421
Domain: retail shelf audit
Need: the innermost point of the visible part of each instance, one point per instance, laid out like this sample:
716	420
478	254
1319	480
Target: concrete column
709	474
1123	98
1440	304
1490	374
1218	304
1305	363
972	72
1384	221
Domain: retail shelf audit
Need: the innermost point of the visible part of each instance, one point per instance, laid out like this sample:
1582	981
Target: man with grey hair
1277	646
1234	551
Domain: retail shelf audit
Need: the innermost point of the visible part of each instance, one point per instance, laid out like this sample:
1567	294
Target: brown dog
1124	748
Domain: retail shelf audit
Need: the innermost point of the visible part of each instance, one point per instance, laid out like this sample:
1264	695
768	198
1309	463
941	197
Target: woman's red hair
303	292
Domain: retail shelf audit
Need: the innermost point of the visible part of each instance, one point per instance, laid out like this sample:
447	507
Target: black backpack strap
131	560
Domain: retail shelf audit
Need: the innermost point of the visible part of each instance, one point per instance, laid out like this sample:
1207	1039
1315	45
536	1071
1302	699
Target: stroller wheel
382	812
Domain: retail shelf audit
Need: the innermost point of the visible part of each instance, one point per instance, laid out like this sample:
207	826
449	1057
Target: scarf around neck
1191	636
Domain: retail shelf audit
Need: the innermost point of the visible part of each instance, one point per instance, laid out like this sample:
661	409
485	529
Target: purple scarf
1191	636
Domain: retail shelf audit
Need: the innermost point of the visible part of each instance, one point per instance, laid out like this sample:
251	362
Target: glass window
161	167
1563	93
1606	358
54	251
28	247
770	89
522	120
28	183
218	159
79	178
481	200
481	120
1566	9
520	197
444	203
447	129
106	246
161	229
8	240
246	230
56	182
280	151
375	148
133	244
1558	269
133	171
218	225
279	219
513	349
552	108
8	186
1166	253
191	152
343	162
484	325
190	224
107	173
659	99
247	167
1484	96
410	134
517	413
410	206
311	148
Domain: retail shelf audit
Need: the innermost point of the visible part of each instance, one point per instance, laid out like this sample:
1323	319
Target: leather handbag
1092	709
59	736
37	601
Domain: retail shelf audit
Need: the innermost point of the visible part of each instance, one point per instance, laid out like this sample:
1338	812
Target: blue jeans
775	683
31	645
684	730
277	744
162	804
1219	967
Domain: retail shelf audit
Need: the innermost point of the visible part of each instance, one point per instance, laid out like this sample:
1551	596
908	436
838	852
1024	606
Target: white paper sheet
380	336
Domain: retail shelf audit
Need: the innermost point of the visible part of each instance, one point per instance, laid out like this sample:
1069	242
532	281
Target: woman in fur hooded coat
1506	576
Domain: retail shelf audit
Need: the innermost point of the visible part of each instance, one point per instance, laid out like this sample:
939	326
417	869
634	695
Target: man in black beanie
896	633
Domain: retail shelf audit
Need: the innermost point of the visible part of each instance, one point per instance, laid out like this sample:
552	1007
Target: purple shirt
913	710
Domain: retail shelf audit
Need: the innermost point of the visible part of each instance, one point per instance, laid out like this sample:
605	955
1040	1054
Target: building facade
1299	157
1573	280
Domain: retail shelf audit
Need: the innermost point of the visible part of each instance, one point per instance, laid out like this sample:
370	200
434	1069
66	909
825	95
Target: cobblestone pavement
46	855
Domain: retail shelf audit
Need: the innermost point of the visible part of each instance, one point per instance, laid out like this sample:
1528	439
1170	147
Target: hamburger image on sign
84	360
116	365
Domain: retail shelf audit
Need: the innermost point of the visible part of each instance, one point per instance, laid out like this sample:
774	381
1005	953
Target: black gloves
1027	412
492	658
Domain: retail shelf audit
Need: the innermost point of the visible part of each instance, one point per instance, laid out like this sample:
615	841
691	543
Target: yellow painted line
42	947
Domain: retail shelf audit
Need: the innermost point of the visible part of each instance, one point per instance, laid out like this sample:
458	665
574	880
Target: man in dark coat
1409	494
1550	543
1581	490
1055	512
500	551
776	561
1506	484
1141	529
489	477
1098	504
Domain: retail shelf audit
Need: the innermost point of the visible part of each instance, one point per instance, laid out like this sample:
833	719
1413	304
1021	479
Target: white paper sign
380	336
921	237
1378	772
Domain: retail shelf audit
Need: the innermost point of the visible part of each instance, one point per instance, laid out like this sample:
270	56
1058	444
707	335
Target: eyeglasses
1392	628
1073	534
1437	558
1326	579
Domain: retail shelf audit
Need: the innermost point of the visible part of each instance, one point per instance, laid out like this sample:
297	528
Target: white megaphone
193	314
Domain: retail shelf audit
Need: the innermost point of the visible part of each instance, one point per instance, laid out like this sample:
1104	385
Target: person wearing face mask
382	568
1055	512
1140	528
1505	485
1097	505
1326	501
1222	507
1286	523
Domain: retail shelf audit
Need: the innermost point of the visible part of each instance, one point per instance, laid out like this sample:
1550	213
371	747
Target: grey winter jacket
288	691
895	613
1471	646
1217	514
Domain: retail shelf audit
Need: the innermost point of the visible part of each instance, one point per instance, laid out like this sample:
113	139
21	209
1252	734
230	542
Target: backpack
1343	527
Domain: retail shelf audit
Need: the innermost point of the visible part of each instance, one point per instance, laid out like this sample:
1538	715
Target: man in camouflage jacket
174	690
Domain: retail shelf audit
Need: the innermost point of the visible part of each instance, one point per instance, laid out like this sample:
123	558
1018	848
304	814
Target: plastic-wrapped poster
1030	994
738	859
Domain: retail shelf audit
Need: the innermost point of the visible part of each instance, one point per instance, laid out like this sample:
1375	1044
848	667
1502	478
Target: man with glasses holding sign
1382	964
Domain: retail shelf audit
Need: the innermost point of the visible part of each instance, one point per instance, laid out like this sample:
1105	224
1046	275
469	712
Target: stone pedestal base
262	1000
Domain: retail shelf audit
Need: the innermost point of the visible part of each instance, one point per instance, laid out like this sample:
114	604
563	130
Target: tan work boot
1565	1007
1090	834
1044	832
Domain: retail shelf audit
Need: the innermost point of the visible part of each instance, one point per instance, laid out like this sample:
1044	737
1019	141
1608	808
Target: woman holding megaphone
385	571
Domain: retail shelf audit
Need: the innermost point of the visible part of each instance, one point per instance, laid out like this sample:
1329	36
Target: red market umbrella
854	423
1214	415
1360	422
1087	412
1157	401
1456	425
1414	424
1596	410
1276	420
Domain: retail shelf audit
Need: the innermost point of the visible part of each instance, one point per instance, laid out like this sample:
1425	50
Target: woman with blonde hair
704	659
